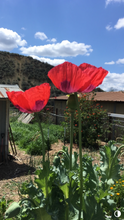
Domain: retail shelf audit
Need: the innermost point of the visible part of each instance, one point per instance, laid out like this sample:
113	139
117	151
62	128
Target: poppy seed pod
71	103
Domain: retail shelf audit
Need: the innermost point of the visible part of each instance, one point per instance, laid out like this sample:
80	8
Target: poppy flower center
65	86
39	105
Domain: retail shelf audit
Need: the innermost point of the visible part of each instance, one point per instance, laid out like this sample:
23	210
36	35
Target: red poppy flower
32	100
70	78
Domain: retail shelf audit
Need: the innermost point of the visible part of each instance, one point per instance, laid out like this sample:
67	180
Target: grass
28	137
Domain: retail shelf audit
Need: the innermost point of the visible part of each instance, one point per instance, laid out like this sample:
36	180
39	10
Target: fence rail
116	120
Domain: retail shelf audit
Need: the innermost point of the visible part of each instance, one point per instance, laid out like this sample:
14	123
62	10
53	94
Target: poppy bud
71	103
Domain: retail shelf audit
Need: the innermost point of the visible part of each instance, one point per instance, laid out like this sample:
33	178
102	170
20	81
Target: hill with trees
24	71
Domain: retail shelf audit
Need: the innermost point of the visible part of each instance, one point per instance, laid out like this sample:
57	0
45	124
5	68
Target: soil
22	167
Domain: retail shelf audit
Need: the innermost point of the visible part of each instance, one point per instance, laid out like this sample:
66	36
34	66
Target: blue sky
78	31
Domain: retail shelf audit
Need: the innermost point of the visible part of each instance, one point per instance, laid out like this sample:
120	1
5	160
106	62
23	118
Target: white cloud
52	40
120	23
63	49
113	80
110	1
10	40
53	62
23	28
40	35
108	27
120	61
110	63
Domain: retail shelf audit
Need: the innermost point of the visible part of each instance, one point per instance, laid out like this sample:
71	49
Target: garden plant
67	190
94	121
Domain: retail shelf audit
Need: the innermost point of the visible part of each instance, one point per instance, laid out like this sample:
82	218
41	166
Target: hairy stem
43	151
43	147
71	137
80	157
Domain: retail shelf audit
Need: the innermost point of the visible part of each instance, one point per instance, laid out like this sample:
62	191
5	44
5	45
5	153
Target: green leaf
65	189
40	214
110	167
63	175
93	210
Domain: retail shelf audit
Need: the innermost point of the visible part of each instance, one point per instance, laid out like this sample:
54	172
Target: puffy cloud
120	61
108	27
10	40
52	40
110	63
63	49
120	23
40	35
113	80
110	1
53	62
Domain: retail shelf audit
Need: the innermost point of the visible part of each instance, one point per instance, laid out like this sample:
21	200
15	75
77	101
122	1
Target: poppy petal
96	74
32	100
68	77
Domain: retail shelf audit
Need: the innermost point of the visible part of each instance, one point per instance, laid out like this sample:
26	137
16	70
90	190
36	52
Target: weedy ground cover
102	188
28	137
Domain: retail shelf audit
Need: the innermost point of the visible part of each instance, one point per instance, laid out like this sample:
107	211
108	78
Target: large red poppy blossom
70	78
32	100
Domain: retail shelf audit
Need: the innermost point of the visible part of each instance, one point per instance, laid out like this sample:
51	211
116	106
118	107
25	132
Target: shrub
94	121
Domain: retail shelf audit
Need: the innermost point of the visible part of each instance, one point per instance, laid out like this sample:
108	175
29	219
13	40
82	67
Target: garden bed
22	168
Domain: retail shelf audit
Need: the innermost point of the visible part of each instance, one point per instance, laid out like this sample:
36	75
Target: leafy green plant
3	206
63	199
93	118
27	136
117	194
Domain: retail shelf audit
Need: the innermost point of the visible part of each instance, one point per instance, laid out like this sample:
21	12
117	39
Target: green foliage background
95	121
28	136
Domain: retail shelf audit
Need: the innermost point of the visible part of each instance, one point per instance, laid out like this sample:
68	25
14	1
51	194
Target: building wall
113	107
4	114
59	107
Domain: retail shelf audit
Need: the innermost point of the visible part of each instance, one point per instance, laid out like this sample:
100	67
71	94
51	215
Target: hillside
24	71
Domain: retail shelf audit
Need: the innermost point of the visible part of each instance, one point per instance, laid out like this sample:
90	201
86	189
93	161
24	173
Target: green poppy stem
80	156
43	150
71	137
43	147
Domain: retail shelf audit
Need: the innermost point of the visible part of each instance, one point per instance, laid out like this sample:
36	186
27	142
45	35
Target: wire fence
115	120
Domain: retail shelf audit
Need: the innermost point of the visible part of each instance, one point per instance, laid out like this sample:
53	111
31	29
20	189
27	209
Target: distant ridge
24	71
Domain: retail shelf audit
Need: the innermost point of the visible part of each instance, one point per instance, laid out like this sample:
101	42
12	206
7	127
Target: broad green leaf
63	175
93	210
65	190
40	214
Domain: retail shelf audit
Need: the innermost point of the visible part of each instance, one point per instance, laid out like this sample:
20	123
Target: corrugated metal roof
4	88
100	96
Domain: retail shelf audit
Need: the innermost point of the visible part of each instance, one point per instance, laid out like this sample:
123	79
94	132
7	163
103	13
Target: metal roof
100	96
8	88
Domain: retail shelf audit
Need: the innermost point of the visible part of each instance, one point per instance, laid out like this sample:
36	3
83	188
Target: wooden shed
4	119
113	102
